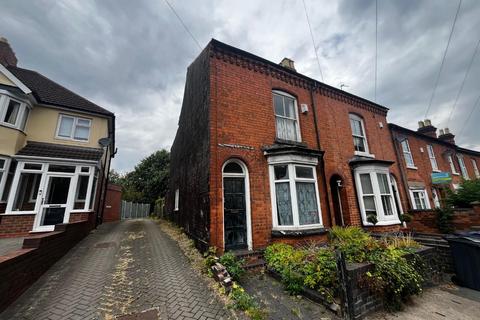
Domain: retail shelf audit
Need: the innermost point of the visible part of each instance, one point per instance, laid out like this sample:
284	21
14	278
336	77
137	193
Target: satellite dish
104	142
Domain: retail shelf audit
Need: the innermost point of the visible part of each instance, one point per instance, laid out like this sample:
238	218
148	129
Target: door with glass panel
53	209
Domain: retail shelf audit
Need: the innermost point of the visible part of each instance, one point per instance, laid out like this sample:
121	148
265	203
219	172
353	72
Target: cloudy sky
131	56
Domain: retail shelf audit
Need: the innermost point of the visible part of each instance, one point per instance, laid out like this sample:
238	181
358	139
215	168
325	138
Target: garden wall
361	301
425	221
21	268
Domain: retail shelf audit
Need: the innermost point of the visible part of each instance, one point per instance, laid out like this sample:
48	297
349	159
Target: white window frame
475	168
177	199
74	126
3	178
463	167
372	170
20	121
436	198
424	194
406	152
431	156
292	161
297	118
452	165
366	153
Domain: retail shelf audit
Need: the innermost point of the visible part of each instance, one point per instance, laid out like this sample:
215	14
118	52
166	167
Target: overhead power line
443	59
463	83
183	24
475	106
376	46
313	39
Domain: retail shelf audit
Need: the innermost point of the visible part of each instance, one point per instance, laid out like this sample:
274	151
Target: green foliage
210	258
233	265
243	301
406	217
353	242
372	218
468	192
444	219
321	273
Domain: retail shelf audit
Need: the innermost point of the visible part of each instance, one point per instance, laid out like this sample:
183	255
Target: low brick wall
21	268
16	225
79	216
425	221
363	301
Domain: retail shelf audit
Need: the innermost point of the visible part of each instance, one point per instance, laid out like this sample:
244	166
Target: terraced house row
264	154
55	151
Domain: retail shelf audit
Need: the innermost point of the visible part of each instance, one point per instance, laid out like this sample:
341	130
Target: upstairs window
358	132
407	154
475	169
431	156
286	116
452	164
73	128
463	168
13	113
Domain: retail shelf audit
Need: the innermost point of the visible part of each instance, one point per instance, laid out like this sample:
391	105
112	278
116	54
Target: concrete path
121	268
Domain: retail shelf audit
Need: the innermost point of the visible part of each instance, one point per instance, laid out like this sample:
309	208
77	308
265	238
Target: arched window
359	135
233	167
286	116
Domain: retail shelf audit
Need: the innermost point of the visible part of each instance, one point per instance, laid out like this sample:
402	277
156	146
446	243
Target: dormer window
13	112
73	128
286	116
359	137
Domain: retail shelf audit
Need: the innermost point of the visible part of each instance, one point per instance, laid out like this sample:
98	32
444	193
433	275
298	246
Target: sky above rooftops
131	57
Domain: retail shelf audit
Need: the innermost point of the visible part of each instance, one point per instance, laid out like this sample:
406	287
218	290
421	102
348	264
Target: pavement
10	244
124	270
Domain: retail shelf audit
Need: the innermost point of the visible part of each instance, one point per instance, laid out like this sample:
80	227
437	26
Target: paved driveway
121	268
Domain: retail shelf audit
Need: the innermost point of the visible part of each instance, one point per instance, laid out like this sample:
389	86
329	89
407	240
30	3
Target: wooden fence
132	210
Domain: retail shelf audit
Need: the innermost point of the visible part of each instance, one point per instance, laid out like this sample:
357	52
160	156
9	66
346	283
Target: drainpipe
322	161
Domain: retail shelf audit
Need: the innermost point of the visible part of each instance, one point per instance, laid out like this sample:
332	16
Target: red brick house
422	154
264	153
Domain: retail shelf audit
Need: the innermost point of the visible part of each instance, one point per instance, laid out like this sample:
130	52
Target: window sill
18	213
436	171
412	167
382	223
72	140
364	154
298	232
290	142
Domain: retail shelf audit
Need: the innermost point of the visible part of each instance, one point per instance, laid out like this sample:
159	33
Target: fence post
345	287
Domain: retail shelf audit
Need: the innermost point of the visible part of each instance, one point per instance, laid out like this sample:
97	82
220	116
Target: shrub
233	265
468	192
400	241
210	258
353	242
245	302
444	219
321	273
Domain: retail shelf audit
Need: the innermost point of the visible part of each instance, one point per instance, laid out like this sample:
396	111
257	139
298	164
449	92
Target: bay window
73	128
13	112
295	199
286	116
375	194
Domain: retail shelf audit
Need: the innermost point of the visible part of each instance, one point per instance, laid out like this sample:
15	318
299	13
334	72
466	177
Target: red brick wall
21	268
113	202
79	216
241	113
426	221
16	225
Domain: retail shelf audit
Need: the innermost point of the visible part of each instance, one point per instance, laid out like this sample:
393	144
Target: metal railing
132	210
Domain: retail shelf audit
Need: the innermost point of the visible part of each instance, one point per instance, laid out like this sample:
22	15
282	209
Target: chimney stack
427	128
288	63
446	136
7	56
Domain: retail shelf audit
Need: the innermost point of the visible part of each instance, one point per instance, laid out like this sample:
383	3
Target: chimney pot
288	63
421	124
441	132
428	122
447	131
7	56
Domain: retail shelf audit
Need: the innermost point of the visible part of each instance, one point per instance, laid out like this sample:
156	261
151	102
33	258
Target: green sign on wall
441	177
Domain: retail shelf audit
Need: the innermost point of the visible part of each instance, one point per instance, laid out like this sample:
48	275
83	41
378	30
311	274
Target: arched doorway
337	190
236	206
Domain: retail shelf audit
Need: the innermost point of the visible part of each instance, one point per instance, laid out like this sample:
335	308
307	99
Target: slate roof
49	92
50	150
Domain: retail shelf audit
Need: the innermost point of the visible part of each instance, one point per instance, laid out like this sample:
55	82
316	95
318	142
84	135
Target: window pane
25	118
281	172
61	168
66	124
387	205
307	203
359	144
232	167
85	169
284	204
366	183
8	184
356	126
81	193
383	183
286	129
32	166
81	133
405	146
289	107
369	203
408	159
2	164
26	187
83	122
278	103
12	112
304	172
94	190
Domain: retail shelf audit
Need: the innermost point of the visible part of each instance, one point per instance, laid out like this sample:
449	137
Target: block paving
120	269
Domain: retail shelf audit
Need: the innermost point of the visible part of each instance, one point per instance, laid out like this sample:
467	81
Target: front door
54	202
235	214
